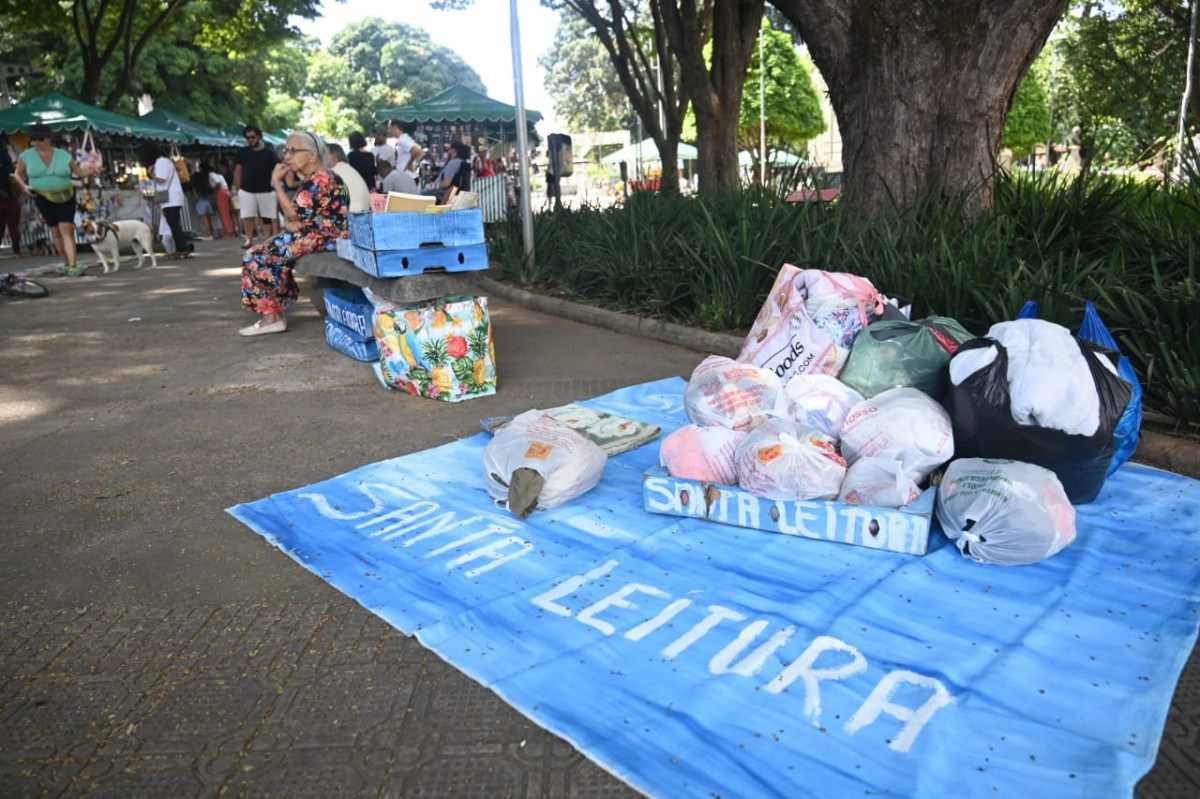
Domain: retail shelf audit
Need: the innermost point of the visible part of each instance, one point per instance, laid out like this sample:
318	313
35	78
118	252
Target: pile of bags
837	394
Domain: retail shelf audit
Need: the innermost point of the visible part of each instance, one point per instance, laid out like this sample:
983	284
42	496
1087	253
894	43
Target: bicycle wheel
24	287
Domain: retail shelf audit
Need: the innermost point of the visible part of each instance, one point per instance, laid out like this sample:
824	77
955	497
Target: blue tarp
695	659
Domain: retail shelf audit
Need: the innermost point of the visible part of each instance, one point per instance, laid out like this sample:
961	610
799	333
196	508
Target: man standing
252	183
382	150
408	152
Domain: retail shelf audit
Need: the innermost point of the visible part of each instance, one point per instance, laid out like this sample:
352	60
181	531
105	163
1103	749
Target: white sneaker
259	329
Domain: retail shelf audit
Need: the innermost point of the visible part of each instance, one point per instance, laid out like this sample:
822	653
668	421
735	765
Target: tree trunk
668	150
716	141
921	93
90	86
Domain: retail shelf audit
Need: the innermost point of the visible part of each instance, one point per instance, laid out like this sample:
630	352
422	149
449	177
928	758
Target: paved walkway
151	645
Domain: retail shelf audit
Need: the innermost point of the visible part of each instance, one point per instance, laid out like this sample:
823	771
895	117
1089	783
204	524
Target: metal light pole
762	113
522	133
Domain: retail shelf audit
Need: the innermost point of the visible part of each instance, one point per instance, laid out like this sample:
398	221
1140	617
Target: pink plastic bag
809	321
702	453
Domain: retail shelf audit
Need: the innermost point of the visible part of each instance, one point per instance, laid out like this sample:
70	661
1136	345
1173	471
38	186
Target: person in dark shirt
252	185
362	159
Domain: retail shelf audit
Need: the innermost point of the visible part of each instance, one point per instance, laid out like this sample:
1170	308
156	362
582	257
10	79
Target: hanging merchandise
897	353
1128	429
1004	512
181	167
787	461
730	394
88	157
820	401
903	424
702	453
1033	392
536	461
882	482
809	320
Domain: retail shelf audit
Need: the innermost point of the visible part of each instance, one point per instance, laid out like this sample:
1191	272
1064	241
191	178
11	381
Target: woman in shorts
47	170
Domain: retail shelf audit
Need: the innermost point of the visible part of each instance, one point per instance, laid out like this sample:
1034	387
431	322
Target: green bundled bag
897	353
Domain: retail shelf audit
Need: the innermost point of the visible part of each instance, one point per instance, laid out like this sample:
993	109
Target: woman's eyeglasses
293	150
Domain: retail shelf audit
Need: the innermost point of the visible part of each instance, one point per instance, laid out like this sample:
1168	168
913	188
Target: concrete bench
326	269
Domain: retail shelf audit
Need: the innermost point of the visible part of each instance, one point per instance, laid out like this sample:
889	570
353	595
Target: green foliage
373	64
1132	248
793	108
580	78
1028	121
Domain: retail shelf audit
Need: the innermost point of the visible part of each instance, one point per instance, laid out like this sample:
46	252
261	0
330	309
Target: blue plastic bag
1129	427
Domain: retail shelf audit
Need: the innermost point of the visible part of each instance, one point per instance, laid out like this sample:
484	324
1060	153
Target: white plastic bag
788	461
702	453
568	463
1004	512
883	482
820	401
729	394
903	424
809	321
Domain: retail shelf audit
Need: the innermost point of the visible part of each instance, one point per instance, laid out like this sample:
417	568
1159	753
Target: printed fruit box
405	263
406	230
442	350
350	308
348	343
904	530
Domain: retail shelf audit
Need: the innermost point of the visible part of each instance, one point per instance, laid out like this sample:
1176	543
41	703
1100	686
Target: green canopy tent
462	113
59	112
202	135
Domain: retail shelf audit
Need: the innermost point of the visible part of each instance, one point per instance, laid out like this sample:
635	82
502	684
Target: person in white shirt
166	180
408	152
383	151
397	181
360	195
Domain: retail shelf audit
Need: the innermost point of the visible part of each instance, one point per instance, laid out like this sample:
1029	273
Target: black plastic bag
984	427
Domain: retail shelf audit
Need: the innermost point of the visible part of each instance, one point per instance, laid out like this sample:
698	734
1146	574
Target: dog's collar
104	227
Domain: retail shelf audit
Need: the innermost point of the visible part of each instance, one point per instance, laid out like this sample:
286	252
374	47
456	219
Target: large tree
586	92
921	90
729	28
374	63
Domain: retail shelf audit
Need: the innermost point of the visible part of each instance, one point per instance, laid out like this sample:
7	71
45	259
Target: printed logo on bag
948	344
794	350
538	451
771	453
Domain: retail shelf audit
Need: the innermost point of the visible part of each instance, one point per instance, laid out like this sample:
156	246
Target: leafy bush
1130	247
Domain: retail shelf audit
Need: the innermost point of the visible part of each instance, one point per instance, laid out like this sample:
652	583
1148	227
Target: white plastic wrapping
882	482
702	453
1004	512
725	393
569	463
784	460
903	424
820	401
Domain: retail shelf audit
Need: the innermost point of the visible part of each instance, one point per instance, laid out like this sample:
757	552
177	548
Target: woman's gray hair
318	143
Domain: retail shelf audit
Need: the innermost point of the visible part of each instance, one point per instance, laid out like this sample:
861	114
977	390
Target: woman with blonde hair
316	218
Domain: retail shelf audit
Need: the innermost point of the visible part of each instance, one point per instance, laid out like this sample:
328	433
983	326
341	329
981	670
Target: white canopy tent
646	152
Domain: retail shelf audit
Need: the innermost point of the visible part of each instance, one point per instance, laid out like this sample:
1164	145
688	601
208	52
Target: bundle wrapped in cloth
809	320
1032	392
536	461
702	453
1004	512
820	401
725	393
787	461
902	424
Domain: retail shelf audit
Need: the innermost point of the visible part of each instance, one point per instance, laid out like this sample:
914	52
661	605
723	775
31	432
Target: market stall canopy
198	134
647	151
59	112
774	158
458	104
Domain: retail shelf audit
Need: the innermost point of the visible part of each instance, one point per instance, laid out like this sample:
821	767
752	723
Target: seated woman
455	174
316	217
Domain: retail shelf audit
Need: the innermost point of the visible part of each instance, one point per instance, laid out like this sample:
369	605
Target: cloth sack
88	157
820	401
1128	431
729	394
1004	512
882	482
902	424
787	461
536	461
702	453
1032	392
809	320
892	354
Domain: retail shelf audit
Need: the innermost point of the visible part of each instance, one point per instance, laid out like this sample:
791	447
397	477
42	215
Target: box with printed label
348	343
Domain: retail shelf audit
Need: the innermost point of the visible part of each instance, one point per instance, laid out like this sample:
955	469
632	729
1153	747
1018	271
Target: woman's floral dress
322	204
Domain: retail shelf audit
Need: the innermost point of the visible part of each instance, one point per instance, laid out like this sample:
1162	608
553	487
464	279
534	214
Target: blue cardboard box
346	341
411	231
402	263
351	309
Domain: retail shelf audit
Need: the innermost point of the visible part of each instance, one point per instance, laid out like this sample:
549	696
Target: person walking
220	190
363	160
168	193
316	219
47	171
10	197
206	200
257	203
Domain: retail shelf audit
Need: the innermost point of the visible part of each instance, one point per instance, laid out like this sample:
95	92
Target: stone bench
327	269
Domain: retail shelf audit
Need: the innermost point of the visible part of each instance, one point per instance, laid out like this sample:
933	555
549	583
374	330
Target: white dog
109	238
